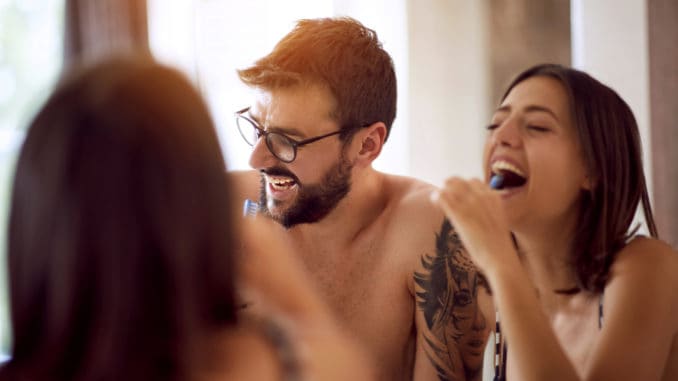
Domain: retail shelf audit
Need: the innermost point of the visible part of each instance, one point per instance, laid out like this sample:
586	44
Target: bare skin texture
555	336
318	349
392	271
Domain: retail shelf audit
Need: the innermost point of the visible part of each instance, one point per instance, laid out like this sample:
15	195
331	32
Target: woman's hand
477	214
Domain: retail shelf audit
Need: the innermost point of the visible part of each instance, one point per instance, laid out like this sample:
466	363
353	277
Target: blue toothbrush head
496	181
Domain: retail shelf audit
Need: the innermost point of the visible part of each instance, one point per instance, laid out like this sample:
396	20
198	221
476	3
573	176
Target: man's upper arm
451	328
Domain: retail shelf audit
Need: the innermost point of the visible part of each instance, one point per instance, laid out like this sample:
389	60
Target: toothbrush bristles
250	208
497	181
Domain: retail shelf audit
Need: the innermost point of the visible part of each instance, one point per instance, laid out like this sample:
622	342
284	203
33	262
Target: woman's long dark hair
610	143
119	236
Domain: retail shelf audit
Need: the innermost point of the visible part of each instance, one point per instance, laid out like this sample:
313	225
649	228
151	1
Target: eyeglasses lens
280	146
247	130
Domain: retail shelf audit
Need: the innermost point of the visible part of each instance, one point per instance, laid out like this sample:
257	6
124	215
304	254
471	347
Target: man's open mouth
280	183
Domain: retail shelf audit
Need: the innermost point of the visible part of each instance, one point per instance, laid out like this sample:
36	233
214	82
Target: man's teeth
499	166
279	182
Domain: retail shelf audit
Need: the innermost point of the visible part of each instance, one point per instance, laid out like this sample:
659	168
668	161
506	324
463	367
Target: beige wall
663	55
448	83
615	51
462	54
524	33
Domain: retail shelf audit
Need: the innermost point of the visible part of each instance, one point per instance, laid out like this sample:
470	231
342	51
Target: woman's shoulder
649	256
645	266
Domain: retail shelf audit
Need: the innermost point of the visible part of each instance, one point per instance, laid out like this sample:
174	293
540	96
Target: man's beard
313	202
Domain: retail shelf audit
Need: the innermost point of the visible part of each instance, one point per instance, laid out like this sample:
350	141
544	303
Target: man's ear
371	140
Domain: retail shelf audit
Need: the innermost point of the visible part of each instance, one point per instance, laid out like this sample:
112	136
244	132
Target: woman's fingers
459	198
476	213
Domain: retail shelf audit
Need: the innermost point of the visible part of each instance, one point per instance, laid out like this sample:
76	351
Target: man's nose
261	156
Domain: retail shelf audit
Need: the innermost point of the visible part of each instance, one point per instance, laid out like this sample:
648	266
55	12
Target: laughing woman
579	295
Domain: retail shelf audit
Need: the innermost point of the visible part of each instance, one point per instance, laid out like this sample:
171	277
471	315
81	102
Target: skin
556	336
273	275
315	192
379	257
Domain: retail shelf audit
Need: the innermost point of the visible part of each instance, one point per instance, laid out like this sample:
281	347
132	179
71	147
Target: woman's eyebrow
530	108
537	108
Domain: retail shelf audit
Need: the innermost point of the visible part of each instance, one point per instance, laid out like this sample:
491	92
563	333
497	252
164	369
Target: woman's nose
507	133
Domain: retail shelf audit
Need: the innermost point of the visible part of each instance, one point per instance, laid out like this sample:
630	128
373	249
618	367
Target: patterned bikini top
500	351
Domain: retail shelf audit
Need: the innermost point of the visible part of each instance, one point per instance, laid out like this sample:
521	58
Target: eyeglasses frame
293	143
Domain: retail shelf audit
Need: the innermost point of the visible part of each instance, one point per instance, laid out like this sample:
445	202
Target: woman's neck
546	256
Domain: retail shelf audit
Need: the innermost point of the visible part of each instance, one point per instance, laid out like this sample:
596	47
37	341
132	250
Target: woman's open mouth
506	175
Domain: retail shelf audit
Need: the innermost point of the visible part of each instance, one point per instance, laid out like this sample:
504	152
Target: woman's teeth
504	166
509	175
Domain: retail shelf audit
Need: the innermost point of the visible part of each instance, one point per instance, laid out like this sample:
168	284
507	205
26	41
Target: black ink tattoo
448	299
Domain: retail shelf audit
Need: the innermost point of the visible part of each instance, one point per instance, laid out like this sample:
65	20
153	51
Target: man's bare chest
367	289
356	282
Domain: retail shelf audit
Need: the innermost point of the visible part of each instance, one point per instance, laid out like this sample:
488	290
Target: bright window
210	39
30	59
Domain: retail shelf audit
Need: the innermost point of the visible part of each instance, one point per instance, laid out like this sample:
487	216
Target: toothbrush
250	208
497	181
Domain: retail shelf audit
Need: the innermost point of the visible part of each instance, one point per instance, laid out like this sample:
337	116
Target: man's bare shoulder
452	308
411	201
413	222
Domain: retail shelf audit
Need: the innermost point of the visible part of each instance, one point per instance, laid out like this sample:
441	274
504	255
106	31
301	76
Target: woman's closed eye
537	128
493	125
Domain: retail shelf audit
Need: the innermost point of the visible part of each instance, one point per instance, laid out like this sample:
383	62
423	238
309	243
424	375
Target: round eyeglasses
281	146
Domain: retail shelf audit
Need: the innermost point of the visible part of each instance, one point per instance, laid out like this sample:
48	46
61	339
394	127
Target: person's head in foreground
120	264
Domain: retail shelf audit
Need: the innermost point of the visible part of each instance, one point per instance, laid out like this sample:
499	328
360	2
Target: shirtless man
377	250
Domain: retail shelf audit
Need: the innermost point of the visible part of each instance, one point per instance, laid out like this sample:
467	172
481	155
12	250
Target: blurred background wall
453	59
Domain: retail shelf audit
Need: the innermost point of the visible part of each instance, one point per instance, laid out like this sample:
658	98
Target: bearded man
325	102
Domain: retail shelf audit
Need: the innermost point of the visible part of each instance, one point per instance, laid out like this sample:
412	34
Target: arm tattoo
448	298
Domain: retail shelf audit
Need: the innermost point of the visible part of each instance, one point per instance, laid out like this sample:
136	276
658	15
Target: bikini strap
600	310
